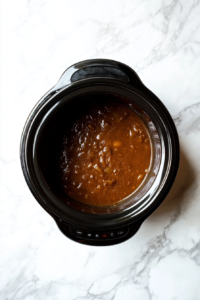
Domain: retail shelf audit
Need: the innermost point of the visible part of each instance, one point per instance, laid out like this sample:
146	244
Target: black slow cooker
41	138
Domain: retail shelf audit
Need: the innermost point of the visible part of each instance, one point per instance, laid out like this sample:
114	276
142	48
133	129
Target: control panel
99	234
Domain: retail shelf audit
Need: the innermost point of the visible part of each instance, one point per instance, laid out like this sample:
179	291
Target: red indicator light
104	235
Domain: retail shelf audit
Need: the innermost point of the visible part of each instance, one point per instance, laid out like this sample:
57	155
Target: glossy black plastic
82	223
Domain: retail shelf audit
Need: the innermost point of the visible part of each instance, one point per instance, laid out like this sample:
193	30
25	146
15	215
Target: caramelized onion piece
96	167
110	182
108	170
117	144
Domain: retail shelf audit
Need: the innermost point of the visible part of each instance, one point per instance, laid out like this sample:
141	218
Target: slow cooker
92	225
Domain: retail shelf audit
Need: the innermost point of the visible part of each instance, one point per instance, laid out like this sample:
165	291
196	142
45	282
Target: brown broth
106	154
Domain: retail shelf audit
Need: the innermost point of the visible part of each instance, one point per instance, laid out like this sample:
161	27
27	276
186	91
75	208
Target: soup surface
106	154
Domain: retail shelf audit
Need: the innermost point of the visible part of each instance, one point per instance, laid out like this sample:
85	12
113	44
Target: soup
106	154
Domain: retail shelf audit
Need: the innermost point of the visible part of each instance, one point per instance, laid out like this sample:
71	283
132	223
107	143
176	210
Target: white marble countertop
159	39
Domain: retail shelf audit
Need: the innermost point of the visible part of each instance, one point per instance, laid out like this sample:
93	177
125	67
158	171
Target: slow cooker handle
99	68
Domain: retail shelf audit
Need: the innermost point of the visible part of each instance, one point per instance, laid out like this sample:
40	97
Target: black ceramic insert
42	135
